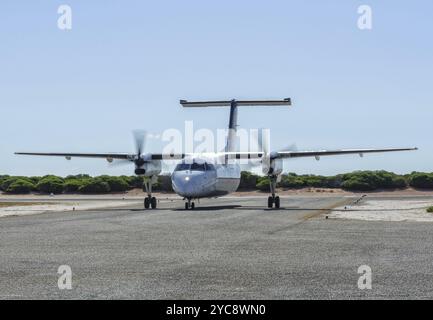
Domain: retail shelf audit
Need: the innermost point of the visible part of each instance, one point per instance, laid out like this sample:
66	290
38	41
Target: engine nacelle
151	168
272	167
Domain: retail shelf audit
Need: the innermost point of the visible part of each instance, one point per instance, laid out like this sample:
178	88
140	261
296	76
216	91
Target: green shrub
389	180
50	184
372	180
78	177
315	181
248	181
357	184
8	181
117	184
136	182
430	210
94	186
292	182
263	184
2	179
164	184
73	185
128	180
421	180
334	181
35	180
399	182
20	186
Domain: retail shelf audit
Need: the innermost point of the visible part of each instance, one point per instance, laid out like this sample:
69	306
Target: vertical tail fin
233	123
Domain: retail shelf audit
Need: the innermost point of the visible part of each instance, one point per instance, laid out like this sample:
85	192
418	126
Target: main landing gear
273	200
149	201
189	205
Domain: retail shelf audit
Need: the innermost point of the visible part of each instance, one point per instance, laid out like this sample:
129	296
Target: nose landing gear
189	205
273	200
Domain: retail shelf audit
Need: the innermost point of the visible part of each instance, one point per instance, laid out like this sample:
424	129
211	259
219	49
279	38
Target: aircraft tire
270	202
153	202
277	202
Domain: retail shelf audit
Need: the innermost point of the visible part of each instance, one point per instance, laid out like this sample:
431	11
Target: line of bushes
71	184
355	181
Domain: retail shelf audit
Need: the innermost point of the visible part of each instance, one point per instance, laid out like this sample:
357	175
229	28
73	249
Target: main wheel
186	206
153	202
277	202
192	206
270	202
146	203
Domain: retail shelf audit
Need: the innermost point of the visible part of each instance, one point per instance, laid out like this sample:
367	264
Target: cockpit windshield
198	167
182	167
195	167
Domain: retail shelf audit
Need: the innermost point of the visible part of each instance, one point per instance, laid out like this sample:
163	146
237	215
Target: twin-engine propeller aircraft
212	175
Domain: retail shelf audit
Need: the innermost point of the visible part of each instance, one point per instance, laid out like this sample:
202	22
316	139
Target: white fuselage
200	178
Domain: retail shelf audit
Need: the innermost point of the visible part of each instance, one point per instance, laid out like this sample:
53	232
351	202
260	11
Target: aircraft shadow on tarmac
216	208
239	207
210	208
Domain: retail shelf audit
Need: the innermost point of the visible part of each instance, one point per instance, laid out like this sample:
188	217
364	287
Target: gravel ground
225	249
387	210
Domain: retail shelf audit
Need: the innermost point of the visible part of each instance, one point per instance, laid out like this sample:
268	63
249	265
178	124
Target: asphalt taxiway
226	248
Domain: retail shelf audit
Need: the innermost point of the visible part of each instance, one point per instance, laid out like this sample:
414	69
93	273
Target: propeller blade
264	140
140	141
120	163
290	147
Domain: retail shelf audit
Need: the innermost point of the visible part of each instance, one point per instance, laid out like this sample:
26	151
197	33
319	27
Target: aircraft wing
230	155
119	156
124	156
361	152
300	154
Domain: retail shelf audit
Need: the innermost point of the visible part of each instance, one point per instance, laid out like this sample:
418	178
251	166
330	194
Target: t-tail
234	104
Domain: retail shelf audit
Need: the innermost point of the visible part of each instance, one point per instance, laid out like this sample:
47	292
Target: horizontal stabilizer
239	103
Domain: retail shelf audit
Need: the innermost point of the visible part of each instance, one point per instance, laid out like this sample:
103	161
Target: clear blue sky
125	65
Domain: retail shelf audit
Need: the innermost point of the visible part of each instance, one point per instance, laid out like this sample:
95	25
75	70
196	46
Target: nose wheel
189	205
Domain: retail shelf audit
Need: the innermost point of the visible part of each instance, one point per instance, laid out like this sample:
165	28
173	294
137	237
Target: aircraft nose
187	184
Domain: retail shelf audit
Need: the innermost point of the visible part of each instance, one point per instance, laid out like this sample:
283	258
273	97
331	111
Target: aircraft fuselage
202	179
